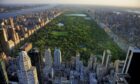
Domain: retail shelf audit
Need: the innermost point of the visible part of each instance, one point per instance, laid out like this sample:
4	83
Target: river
25	11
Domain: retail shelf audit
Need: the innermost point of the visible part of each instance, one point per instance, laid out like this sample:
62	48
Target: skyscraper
48	58
131	66
48	62
92	78
27	74
3	73
11	22
36	60
92	63
3	38
81	71
57	57
106	58
3	34
14	35
77	61
118	66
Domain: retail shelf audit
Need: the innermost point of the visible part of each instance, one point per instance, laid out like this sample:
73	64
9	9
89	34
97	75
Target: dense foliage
77	34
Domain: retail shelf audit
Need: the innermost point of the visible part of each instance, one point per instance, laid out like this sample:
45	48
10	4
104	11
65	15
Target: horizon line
66	4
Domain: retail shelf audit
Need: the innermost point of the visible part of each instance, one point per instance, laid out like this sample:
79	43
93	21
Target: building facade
131	65
48	62
27	74
3	73
57	57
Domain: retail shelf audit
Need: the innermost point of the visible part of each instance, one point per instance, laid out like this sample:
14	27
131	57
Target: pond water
60	24
87	18
80	15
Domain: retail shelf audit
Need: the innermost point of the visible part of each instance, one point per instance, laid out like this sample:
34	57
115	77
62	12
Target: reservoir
80	15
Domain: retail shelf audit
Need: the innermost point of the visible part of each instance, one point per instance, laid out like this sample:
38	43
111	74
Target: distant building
3	34
72	77
11	22
81	71
57	80
65	81
26	47
27	74
131	66
3	38
92	63
106	58
57	57
3	73
77	61
100	71
118	66
48	62
10	44
48	58
14	35
3	56
121	78
92	78
12	69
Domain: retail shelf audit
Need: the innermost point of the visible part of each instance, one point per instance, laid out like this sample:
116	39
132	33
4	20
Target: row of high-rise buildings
33	68
50	69
96	72
123	23
16	29
26	73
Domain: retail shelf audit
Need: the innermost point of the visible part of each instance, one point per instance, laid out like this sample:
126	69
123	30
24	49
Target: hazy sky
129	3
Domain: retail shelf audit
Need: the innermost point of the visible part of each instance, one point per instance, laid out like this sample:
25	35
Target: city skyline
63	44
124	3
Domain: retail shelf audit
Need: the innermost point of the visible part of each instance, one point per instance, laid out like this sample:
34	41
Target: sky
124	3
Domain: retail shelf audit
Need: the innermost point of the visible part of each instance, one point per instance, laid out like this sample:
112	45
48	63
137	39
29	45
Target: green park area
76	35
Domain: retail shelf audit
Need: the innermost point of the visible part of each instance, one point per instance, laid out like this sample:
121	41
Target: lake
80	15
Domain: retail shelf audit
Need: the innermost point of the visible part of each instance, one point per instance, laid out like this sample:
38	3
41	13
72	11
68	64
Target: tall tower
48	62
14	35
3	37
131	66
11	22
78	61
92	78
48	57
3	73
92	63
106	58
118	64
3	34
36	60
27	74
57	57
81	71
